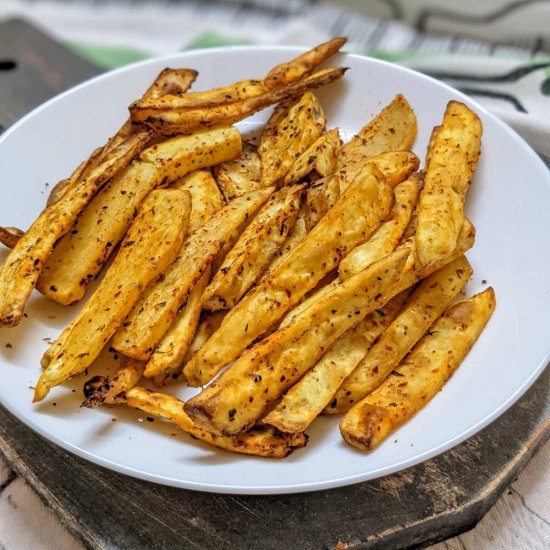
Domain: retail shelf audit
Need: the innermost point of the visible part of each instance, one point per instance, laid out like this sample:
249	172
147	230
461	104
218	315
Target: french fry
425	305
172	121
101	390
312	393
430	148
173	346
320	198
303	65
205	196
359	211
80	255
151	244
23	265
240	175
318	159
290	130
242	394
155	312
396	166
384	240
256	246
421	375
9	236
452	163
261	441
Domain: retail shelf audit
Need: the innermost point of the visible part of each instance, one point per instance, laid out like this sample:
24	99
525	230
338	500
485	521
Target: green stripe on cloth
212	39
108	57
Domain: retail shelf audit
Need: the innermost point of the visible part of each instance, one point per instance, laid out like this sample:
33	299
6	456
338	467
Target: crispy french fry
318	159
359	211
80	255
23	265
242	393
9	236
421	375
261	441
452	163
320	198
173	121
312	393
290	131
155	312
151	244
303	65
205	196
430	148
173	346
241	175
426	304
256	246
396	166
384	240
101	390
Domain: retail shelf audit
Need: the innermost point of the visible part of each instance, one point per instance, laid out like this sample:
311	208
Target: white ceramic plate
508	202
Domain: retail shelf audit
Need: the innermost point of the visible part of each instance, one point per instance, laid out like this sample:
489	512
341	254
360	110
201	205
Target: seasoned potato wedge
9	236
320	198
23	265
101	390
290	131
242	394
151	244
421	375
387	236
318	159
173	346
185	121
255	248
426	304
155	312
359	211
240	175
261	441
80	255
303	65
452	163
308	397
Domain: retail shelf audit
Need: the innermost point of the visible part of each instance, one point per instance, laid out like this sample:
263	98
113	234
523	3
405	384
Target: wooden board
440	498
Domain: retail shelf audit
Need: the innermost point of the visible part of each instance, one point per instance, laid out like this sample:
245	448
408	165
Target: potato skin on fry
425	305
155	312
261	441
9	236
23	265
151	244
421	375
241	395
358	212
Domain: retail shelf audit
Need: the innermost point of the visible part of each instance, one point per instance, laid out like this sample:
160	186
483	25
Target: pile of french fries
293	278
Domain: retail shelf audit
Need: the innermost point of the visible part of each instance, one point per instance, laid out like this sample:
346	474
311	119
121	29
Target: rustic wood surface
430	502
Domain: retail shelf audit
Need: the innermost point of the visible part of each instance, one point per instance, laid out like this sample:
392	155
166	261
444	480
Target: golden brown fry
451	167
242	393
155	312
309	396
320	198
171	82
9	236
260	441
151	244
359	211
318	160
426	304
241	175
303	65
255	248
396	166
171	122
80	255
384	240
101	390
421	375
173	346
23	265
431	143
290	130
205	196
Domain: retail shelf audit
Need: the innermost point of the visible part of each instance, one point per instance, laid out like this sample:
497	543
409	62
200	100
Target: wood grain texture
424	504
